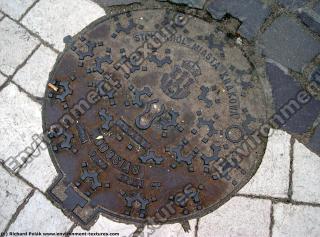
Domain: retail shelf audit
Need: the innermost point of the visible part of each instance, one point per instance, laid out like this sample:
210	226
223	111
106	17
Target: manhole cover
154	139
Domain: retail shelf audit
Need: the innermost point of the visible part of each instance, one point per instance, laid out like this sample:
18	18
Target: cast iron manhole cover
152	139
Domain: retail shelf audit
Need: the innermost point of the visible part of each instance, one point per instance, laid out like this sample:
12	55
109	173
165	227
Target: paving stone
272	177
34	75
313	143
104	225
285	42
12	193
2	79
40	170
293	4
315	75
311	17
191	3
252	14
15	43
54	19
15	8
41	215
284	89
20	118
316	7
306	179
170	230
296	221
109	3
238	217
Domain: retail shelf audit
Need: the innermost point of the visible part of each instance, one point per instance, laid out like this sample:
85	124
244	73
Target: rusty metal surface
131	145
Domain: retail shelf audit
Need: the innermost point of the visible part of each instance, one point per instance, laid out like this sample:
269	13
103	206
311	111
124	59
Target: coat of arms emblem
177	83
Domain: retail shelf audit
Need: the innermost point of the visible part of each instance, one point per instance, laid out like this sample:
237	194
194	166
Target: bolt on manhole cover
151	135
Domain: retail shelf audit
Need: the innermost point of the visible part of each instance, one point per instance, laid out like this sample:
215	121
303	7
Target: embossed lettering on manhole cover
151	136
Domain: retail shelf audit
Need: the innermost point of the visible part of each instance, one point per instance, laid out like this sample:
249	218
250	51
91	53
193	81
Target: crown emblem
192	67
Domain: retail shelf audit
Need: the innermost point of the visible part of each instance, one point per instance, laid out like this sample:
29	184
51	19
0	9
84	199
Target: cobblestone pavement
282	199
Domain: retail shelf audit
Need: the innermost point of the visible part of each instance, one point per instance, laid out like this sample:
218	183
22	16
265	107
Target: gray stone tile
105	225
12	194
34	75
293	4
316	8
170	230
20	118
39	170
315	75
191	3
306	179
296	221
311	17
272	177
2	79
1	15
15	8
55	19
285	42
241	217
15	43
41	215
251	13
284	89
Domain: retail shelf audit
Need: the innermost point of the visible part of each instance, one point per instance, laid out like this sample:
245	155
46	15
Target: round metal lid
148	114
